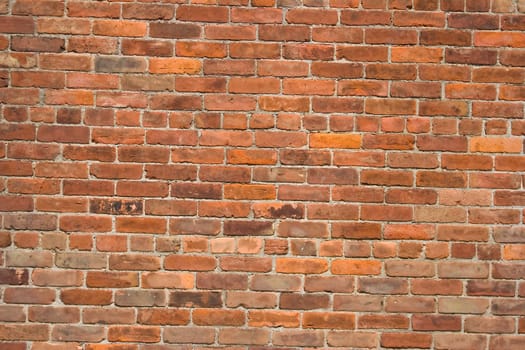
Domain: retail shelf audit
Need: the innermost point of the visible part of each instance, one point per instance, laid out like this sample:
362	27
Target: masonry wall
259	175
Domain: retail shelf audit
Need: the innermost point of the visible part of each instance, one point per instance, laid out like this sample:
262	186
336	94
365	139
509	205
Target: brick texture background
262	174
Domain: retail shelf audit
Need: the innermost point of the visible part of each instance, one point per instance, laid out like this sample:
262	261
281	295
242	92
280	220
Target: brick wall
264	174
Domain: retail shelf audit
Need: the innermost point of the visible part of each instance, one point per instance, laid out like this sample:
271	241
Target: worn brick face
262	174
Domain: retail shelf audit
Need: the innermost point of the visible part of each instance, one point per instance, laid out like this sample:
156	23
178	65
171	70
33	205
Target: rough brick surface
262	174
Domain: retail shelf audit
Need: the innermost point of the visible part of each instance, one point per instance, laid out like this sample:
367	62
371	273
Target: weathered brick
36	332
157	316
57	278
403	340
134	333
140	298
383	286
195	299
298	338
436	323
77	333
113	64
23	295
275	283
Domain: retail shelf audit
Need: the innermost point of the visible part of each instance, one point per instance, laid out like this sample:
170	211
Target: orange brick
174	66
234	191
335	141
356	267
301	265
496	145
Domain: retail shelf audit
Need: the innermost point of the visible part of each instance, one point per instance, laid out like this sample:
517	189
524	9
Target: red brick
260	15
254	50
354	17
134	334
171	317
63	26
356	267
31	221
134	262
442	143
282	68
300	265
86	297
416	89
77	333
61	170
419	19
364	53
436	323
470	56
265	318
29	332
390	36
54	314
38	79
224	209
121	99
216	317
406	340
17	96
42	8
140	225
311	16
16	203
147	11
251	299
87	9
390	106
461	341
391	71
190	263
233	191
496	39
362	88
200	49
202	13
332	212
249	336
230	67
284	32
192	226
23	295
167	280
119	28
308	87
17	24
230	32
103	45
85	224
230	103
333	69
14	276
250	264
335	320
174	66
194	335
383	321
254	85
497	109
342	35
147	154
